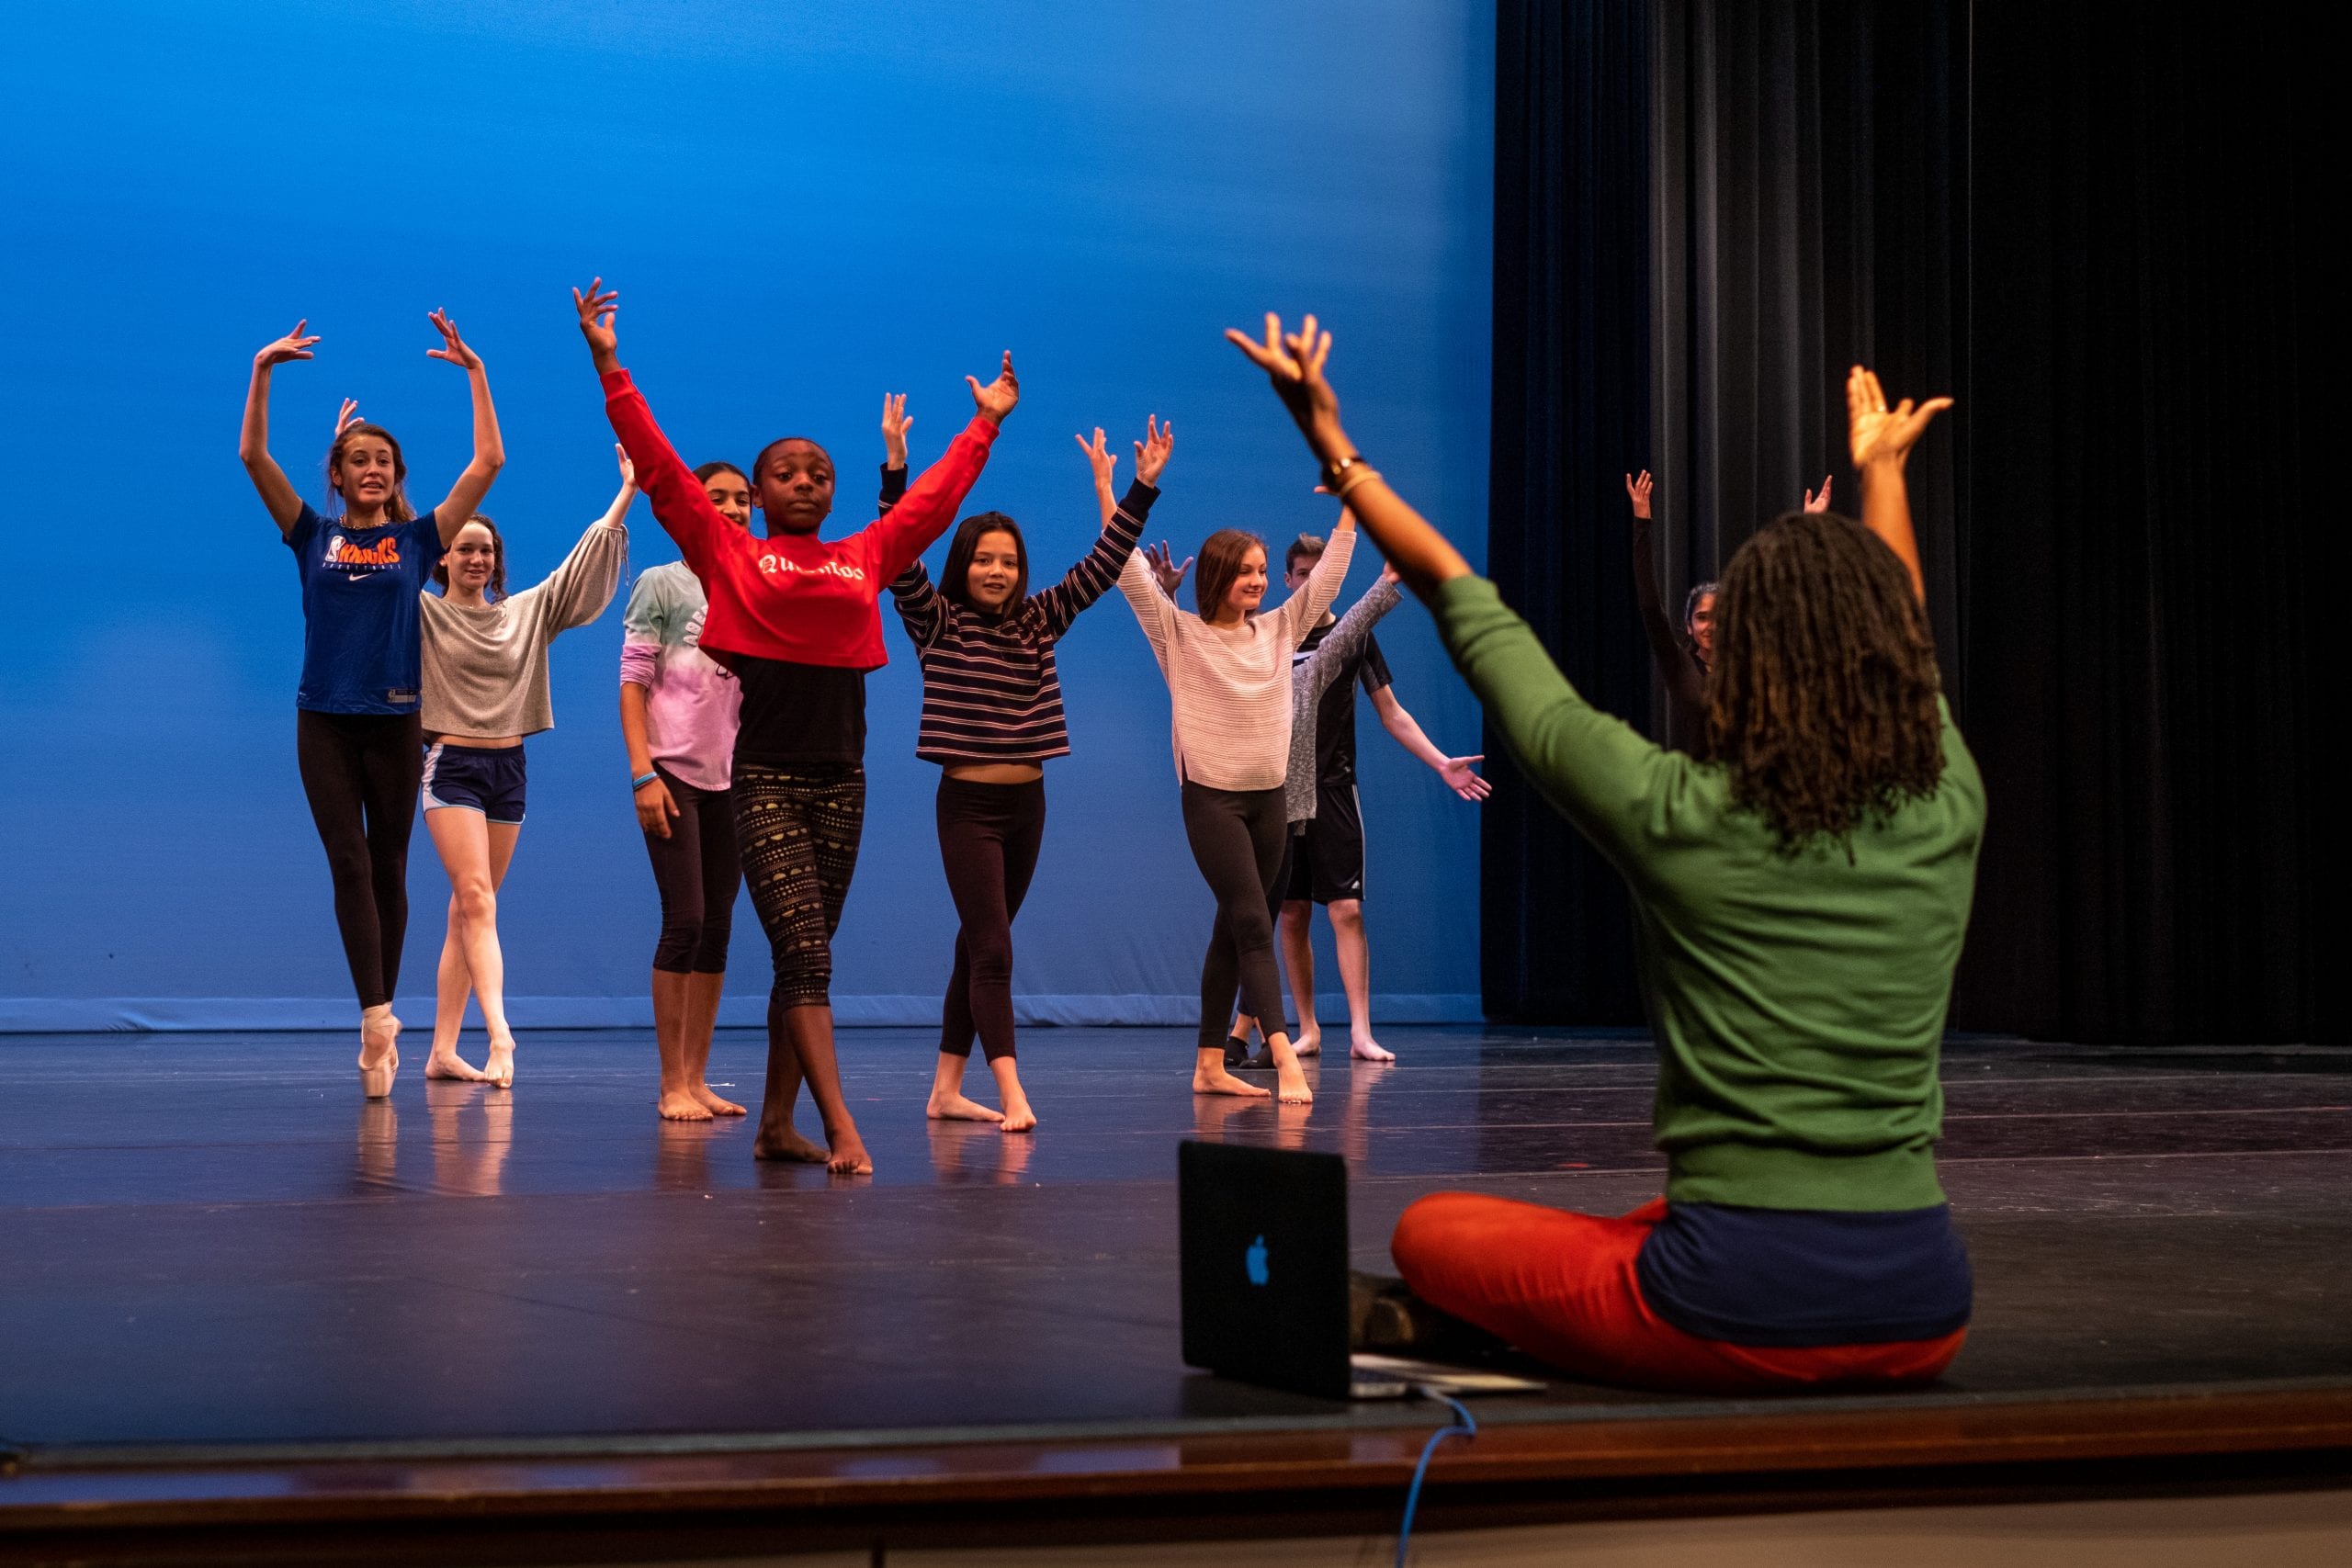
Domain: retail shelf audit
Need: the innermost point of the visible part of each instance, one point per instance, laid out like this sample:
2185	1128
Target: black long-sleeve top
1677	661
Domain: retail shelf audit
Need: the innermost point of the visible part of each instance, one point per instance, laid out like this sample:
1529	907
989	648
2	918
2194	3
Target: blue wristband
638	784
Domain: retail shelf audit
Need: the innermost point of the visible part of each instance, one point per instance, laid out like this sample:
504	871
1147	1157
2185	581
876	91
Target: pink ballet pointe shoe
375	1082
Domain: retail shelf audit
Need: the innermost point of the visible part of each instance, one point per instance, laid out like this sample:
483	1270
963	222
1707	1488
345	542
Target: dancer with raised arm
1682	659
1800	902
991	718
796	619
1325	862
486	690
357	736
1229	691
679	711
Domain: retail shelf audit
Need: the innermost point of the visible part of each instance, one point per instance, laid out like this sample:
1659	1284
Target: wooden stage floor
230	1283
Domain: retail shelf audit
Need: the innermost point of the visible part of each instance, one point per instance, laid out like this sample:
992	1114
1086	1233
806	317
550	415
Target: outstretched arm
253	439
896	540
1460	773
1094	572
1881	439
1674	661
1303	609
489	452
1294	363
680	503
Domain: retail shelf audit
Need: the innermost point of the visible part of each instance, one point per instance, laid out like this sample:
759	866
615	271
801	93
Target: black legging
1237	838
361	772
798	831
696	870
988	835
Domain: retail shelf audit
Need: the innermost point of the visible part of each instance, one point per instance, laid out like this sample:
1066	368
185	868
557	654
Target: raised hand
1637	490
348	417
998	397
1877	434
293	345
1162	562
597	308
1819	503
453	347
1461	776
895	426
1151	452
629	469
1294	363
1101	458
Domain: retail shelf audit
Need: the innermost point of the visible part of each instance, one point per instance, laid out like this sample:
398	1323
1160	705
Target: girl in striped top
1229	671
991	715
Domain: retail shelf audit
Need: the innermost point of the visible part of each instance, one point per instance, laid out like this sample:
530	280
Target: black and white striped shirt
990	690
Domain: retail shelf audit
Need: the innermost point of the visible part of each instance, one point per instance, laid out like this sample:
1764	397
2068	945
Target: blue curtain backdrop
804	206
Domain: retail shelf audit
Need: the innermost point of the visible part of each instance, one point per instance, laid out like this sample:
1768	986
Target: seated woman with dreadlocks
1799	900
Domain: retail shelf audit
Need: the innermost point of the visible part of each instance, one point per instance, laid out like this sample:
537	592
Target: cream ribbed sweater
1229	686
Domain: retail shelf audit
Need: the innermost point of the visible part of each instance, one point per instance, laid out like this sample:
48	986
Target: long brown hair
956	576
1822	701
1221	557
396	506
496	587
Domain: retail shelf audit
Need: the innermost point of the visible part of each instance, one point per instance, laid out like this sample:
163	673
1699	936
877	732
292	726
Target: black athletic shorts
1326	863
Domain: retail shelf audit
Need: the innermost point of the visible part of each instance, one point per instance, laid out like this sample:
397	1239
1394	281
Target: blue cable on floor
1466	1425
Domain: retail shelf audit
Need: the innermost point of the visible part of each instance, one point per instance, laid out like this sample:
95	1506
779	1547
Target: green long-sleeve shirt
1798	1001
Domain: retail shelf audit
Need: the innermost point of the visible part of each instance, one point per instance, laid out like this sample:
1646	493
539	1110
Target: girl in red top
795	618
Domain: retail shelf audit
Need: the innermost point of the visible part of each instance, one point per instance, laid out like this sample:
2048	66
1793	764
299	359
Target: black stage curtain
2102	240
2147	671
1571	373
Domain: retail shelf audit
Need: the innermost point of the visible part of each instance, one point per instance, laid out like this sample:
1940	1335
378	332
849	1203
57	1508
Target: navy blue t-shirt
1793	1278
360	649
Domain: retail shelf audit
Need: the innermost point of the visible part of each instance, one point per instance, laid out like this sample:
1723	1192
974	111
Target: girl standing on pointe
797	620
485	690
358	735
1228	672
991	715
679	711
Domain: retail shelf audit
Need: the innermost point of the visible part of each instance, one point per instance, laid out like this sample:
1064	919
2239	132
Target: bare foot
788	1144
449	1064
849	1157
498	1067
956	1108
1370	1050
1218	1081
680	1105
717	1104
1018	1117
1309	1045
1289	1086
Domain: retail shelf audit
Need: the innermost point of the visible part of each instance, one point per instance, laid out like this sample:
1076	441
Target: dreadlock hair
1822	701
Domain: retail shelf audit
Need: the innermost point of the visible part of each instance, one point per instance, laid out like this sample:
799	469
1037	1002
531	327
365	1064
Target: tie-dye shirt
691	704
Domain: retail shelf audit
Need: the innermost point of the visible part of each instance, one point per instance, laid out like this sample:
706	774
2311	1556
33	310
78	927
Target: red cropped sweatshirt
793	597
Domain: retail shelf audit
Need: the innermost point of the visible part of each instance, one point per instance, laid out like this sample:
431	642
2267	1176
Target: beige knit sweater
486	669
1229	686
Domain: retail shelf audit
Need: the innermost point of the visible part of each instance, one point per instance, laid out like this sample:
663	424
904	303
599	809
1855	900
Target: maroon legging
988	835
361	772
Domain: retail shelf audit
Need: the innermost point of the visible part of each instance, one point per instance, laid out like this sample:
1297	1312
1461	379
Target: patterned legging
798	829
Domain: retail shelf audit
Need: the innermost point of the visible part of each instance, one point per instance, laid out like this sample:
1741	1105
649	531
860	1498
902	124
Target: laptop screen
1264	1257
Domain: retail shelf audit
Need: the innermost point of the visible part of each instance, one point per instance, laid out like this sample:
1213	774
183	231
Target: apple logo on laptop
1254	1261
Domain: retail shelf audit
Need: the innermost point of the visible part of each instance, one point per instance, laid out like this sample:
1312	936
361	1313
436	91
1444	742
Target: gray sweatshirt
1309	677
486	669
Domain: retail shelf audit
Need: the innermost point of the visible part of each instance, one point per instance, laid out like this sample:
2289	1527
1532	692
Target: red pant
1561	1287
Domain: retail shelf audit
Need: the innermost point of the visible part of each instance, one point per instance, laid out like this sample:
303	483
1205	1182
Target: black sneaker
1237	1052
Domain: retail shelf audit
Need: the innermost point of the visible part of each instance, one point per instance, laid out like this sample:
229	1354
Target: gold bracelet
1357	474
